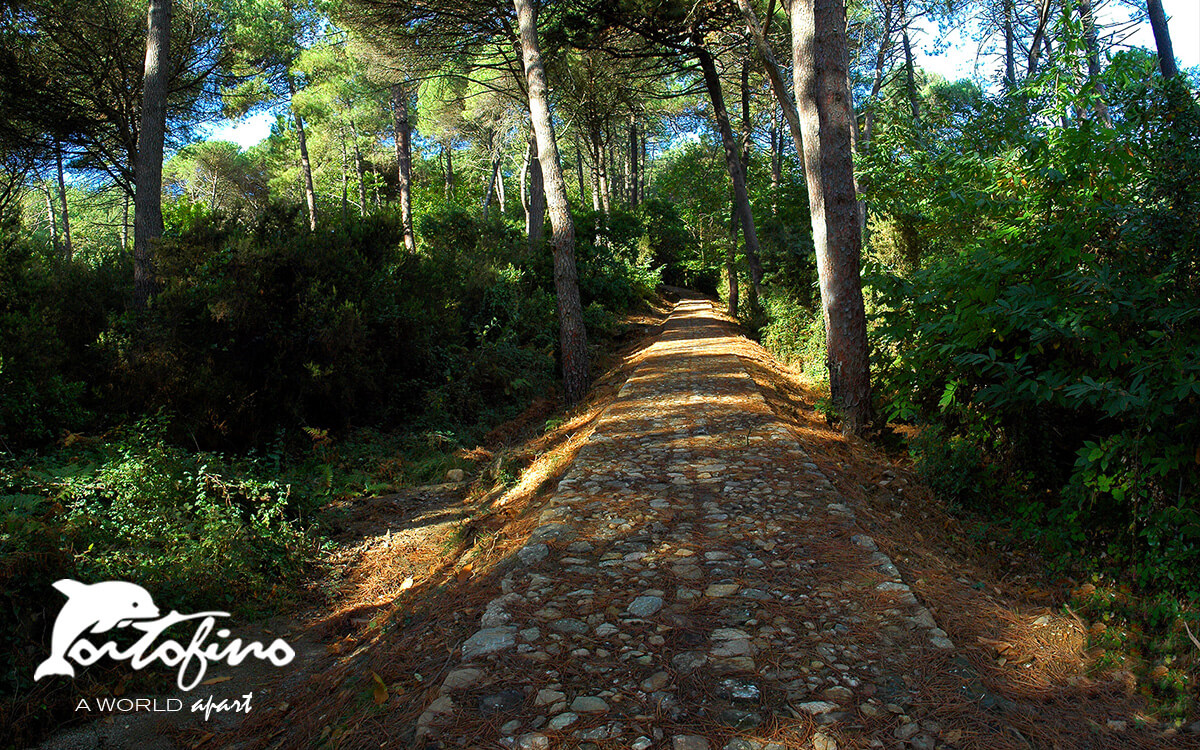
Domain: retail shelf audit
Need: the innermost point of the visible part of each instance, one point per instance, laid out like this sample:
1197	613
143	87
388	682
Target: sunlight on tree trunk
403	133
572	336
1093	60
310	194
67	250
819	58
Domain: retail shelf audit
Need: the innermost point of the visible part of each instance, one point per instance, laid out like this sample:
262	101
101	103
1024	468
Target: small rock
562	721
739	718
642	743
688	742
532	741
818	707
688	661
461	679
870	710
511	727
587	704
645	606
656	681
718	590
738	690
489	641
569	625
455	475
822	741
838	694
546	697
531	554
1116	725
905	731
605	629
443	706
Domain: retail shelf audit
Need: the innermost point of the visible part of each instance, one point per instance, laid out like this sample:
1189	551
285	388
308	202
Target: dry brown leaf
216	680
380	692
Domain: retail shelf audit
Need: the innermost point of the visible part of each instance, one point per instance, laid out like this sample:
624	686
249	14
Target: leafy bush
1064	346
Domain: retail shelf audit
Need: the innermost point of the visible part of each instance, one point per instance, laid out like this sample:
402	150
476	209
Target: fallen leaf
216	680
380	692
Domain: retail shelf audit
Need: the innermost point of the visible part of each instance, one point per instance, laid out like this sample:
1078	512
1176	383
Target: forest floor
691	559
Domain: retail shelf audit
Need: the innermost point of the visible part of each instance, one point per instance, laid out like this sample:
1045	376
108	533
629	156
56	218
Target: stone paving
694	583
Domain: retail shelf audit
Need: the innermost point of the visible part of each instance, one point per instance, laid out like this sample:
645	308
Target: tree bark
572	336
910	79
595	172
495	171
404	162
310	194
820	59
67	250
500	197
1162	39
579	169
125	221
51	219
523	178
358	168
731	267
633	163
1010	62
147	200
747	126
881	58
535	221
1038	33
1092	43
605	188
345	177
448	176
733	163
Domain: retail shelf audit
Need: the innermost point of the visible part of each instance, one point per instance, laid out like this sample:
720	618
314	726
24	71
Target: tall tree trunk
731	269
605	193
579	169
359	170
645	168
448	175
820	58
1038	34
500	188
523	178
747	126
51	219
733	164
62	197
881	58
147	201
633	163
595	172
495	171
1162	39
1092	43
125	221
776	166
910	78
535	221
572	336
345	177
310	194
404	162
1010	61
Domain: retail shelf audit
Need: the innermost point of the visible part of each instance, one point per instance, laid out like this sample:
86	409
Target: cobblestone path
696	582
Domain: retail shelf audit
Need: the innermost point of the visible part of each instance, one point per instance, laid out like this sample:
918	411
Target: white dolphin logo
94	608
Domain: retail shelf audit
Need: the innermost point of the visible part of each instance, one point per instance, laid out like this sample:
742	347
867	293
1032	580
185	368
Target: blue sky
959	60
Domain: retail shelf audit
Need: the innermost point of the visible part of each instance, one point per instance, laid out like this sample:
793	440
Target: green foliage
1058	351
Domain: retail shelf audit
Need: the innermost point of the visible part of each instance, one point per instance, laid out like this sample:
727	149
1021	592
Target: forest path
696	582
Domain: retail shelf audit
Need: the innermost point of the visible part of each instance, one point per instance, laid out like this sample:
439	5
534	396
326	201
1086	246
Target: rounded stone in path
587	704
645	606
489	641
688	742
